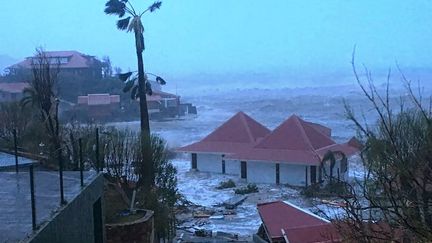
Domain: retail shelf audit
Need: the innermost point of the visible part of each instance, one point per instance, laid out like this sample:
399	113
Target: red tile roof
299	225
13	87
295	134
75	59
294	141
236	134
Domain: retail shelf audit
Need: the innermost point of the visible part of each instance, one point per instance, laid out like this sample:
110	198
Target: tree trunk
147	164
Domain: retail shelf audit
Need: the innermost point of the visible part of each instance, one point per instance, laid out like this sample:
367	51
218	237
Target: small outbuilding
285	222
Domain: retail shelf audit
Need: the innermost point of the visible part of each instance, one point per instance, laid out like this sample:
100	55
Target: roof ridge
307	138
306	211
303	132
248	130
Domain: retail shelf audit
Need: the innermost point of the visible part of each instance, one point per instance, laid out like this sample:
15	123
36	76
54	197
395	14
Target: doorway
243	169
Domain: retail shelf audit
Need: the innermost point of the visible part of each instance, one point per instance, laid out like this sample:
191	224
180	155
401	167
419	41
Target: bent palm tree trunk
147	164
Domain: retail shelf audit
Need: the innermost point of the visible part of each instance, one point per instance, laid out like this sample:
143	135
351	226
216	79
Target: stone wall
141	230
74	222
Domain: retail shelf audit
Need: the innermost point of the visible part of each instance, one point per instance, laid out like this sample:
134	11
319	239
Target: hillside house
70	62
236	134
12	92
290	154
283	222
161	104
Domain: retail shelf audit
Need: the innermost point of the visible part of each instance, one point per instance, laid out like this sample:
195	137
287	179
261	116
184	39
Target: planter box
140	230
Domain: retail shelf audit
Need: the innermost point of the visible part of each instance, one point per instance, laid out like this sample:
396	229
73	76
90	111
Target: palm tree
132	23
331	157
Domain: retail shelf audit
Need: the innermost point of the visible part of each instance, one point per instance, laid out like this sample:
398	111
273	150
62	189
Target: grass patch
226	184
250	188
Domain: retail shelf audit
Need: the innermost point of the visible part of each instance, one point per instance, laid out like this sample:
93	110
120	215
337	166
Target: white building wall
293	174
209	162
232	167
261	172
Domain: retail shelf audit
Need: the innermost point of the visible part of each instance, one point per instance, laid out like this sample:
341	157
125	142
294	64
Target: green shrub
311	191
226	184
250	188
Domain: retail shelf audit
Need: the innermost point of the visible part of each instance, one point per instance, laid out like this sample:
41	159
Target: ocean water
323	105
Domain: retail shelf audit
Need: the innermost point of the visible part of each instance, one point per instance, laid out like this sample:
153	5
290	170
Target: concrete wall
293	174
261	172
232	167
74	222
209	163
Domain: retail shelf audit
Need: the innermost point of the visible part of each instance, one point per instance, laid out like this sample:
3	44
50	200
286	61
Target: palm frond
154	6
26	101
136	25
160	80
134	92
128	86
122	24
149	90
115	7
124	76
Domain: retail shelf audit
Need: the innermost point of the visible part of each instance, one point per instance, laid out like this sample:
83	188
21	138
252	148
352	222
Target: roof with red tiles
236	134
74	60
299	226
13	87
294	141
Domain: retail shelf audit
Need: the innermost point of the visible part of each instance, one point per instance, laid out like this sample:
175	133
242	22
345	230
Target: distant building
98	106
285	222
163	105
290	154
70	62
11	92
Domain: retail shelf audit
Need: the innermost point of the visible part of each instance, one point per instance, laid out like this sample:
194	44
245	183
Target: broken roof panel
298	225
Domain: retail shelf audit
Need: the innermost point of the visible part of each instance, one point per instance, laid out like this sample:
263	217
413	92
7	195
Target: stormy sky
200	38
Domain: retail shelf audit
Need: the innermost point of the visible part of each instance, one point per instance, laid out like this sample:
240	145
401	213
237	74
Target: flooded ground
200	189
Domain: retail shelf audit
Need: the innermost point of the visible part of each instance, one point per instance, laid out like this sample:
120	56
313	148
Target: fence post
62	199
81	164
15	149
97	151
32	197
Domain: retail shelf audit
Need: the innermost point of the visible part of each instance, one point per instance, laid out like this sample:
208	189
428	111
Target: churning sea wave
324	105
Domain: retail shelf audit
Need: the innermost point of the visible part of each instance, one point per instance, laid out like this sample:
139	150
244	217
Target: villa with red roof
237	134
72	62
285	222
290	154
